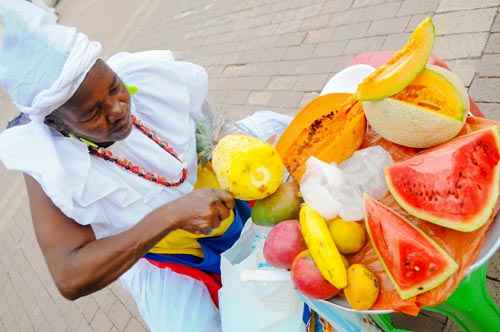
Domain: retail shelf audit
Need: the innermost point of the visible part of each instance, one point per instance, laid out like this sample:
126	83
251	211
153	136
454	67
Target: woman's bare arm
81	265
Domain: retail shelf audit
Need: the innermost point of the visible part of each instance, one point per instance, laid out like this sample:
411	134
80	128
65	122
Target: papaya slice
330	128
402	68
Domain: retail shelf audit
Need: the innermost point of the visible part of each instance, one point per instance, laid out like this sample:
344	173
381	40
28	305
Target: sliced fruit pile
425	234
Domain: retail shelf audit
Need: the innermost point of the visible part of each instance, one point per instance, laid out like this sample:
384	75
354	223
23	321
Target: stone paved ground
260	54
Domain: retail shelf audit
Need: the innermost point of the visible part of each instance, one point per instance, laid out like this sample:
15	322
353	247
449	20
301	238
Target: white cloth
111	200
42	63
43	5
169	301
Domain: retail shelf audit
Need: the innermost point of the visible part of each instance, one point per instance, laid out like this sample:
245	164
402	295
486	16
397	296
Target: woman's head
99	110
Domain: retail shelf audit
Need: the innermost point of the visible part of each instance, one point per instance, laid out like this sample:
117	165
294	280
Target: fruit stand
392	197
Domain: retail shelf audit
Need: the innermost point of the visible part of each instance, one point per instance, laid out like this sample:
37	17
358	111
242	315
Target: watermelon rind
424	286
467	225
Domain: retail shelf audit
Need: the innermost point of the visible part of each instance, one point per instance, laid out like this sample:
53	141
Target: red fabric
211	281
376	59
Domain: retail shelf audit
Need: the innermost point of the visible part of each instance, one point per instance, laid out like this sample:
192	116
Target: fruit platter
392	187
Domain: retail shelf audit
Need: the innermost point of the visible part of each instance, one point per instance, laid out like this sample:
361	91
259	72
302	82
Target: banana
322	248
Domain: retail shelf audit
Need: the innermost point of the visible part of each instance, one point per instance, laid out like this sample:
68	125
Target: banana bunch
322	248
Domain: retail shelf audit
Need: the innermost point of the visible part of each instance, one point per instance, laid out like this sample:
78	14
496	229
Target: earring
132	89
85	141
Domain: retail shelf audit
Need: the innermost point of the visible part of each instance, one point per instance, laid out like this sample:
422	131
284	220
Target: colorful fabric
183	242
318	324
210	280
171	301
211	247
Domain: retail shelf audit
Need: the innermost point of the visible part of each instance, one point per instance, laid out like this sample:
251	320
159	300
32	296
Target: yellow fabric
183	242
206	178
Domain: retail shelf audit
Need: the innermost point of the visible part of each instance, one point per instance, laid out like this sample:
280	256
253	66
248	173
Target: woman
110	175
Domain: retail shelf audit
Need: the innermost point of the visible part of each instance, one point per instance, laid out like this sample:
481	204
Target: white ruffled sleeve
33	150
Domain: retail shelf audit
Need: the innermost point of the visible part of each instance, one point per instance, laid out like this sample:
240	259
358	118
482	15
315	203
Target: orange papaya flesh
330	128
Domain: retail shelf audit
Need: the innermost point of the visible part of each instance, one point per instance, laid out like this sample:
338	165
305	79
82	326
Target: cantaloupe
429	111
402	68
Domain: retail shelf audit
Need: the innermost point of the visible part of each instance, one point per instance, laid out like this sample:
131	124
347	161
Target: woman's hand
203	210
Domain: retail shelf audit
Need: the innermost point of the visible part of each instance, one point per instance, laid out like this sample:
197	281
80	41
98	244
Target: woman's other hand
203	210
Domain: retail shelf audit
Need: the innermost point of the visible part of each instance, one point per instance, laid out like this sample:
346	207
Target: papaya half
330	128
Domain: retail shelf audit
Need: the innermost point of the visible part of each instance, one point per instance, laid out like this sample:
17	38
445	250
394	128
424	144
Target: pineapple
206	127
206	177
247	167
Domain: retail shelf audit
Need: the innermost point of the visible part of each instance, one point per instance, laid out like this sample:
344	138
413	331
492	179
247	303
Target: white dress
95	192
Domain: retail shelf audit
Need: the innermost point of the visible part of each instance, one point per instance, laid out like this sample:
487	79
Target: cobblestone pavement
260	54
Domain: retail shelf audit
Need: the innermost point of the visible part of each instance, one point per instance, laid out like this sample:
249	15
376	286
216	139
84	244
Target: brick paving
260	54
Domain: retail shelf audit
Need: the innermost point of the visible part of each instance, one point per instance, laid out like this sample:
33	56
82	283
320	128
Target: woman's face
99	111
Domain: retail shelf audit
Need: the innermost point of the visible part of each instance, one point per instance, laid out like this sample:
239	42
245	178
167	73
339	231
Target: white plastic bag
264	124
333	189
255	297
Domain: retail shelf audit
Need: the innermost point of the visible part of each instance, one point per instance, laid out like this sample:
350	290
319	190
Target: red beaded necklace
131	167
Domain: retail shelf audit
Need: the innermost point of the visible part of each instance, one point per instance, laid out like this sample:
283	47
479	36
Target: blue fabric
306	316
19	120
213	246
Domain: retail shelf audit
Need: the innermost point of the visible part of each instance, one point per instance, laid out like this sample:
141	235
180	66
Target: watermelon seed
421	288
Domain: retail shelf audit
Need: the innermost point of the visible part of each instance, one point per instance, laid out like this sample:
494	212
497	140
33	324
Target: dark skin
80	265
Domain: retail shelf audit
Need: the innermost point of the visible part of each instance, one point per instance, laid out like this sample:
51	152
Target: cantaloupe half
430	111
402	68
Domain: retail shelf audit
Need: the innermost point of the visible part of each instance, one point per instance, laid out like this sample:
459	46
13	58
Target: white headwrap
42	64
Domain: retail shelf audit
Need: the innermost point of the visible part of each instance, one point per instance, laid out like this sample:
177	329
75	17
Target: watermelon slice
455	185
412	260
